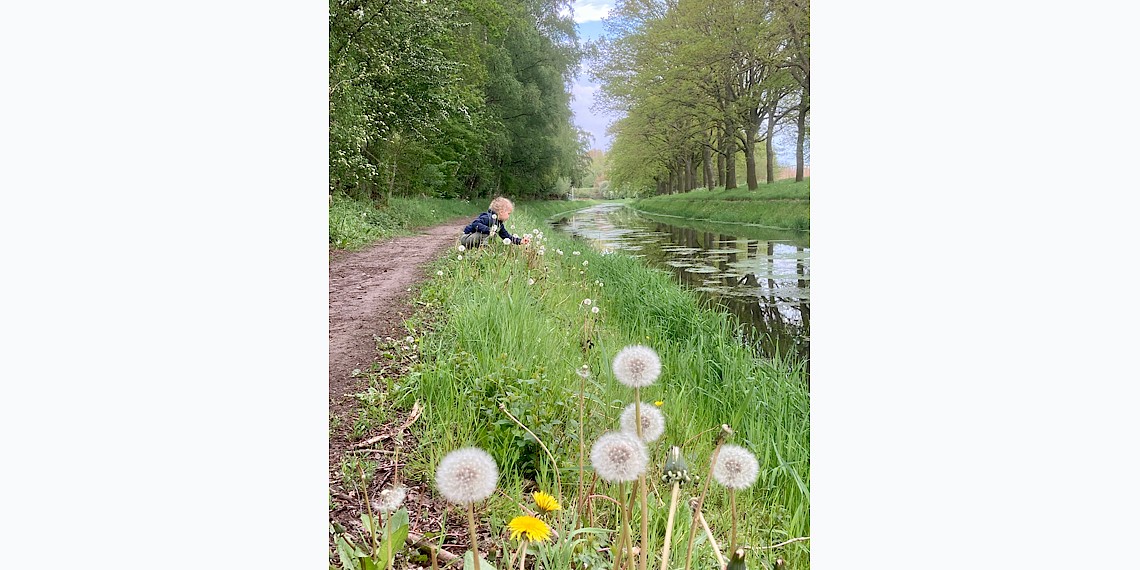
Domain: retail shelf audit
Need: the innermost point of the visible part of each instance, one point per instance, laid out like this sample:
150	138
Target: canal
760	275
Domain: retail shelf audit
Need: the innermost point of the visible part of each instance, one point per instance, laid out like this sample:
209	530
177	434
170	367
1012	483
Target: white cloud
591	10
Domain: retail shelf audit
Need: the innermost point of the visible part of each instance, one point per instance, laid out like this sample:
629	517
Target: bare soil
370	296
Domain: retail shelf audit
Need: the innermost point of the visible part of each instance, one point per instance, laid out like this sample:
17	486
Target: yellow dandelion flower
530	528
658	403
546	503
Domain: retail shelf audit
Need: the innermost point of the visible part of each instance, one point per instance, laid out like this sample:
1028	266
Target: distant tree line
699	82
452	98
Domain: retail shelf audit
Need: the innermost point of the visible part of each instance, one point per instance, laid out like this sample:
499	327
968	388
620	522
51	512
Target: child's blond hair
501	204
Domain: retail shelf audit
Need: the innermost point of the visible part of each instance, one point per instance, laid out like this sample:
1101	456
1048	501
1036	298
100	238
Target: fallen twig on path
416	410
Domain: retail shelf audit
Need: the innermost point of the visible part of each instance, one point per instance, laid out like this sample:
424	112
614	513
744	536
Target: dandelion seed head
506	241
466	475
618	457
585	262
583	371
586	302
652	422
440	273
736	467
577	253
594	310
462	247
390	499
530	281
637	366
459	257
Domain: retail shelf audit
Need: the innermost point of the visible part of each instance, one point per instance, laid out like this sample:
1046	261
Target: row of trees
452	97
698	81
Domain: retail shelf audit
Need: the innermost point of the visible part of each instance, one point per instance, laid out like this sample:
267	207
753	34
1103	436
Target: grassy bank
510	327
783	204
354	223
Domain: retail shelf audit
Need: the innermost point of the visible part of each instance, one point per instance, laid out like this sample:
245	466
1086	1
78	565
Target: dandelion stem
712	539
625	529
641	488
474	539
368	506
732	502
581	443
391	556
669	525
701	500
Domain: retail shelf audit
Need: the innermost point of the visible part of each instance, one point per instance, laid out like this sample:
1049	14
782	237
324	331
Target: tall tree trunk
690	176
769	150
730	158
672	180
722	148
801	122
706	167
750	157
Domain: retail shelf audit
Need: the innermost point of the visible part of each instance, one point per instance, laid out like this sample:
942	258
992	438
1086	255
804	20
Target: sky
588	15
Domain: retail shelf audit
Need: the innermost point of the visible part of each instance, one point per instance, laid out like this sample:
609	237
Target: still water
760	275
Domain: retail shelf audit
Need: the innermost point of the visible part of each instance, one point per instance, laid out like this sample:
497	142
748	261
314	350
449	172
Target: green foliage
389	542
451	98
696	77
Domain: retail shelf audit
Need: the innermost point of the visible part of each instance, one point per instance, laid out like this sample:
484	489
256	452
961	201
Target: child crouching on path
490	222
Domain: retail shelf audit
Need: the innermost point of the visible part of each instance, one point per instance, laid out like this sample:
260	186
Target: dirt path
368	295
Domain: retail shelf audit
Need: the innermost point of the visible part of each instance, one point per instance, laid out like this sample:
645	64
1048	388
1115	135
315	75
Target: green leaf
469	562
347	553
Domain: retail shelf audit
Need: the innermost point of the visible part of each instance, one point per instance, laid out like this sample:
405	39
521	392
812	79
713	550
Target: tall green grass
501	341
356	223
782	204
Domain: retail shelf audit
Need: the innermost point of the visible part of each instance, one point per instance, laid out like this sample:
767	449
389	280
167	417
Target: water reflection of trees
764	282
780	322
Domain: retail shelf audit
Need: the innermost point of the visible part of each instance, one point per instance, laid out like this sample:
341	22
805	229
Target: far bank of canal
760	275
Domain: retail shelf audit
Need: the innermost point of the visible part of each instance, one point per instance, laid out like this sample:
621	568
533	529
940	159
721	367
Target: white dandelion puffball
652	422
390	499
462	247
440	273
619	457
736	467
559	251
637	366
506	241
466	475
585	263
530	281
594	310
586	302
577	253
459	257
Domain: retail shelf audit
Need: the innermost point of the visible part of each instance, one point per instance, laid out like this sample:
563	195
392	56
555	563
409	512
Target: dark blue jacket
483	223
